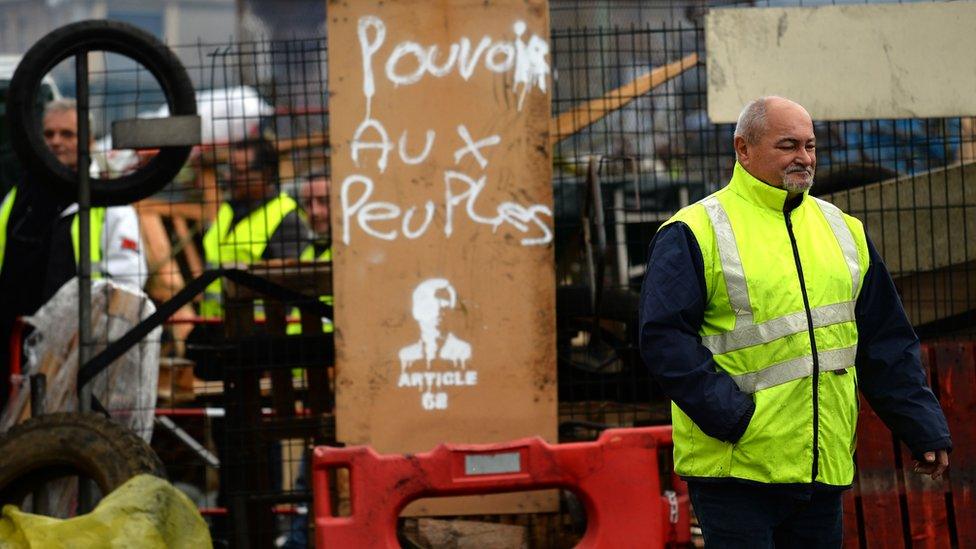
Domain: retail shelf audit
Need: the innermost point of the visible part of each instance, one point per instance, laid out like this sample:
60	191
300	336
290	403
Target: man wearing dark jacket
763	310
39	238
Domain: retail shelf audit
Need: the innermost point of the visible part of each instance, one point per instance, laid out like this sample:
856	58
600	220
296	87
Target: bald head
781	107
754	118
774	142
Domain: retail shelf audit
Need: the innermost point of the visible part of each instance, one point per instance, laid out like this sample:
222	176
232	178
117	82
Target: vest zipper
813	348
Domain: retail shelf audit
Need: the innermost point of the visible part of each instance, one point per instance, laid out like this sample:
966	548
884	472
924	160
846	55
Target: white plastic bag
127	388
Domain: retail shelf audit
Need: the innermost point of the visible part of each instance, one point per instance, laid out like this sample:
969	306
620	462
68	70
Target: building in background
115	80
281	19
23	22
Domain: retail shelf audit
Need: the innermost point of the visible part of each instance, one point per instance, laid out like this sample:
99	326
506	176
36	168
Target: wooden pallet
891	506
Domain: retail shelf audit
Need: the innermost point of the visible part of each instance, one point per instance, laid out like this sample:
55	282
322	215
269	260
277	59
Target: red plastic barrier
15	348
615	477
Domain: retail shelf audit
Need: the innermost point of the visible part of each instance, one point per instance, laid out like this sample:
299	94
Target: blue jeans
742	515
297	537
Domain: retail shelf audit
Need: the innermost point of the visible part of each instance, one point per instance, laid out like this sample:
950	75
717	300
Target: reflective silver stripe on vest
746	333
756	334
784	372
835	218
728	253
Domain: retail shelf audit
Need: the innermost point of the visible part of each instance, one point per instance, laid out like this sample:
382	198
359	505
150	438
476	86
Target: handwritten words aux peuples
523	62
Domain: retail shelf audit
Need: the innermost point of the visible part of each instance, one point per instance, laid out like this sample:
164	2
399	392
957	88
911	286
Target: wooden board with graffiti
443	228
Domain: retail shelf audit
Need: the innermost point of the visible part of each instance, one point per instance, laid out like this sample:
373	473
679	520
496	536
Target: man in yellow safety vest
763	311
39	238
258	222
314	195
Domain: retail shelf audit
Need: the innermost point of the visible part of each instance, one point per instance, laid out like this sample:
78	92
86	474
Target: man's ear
741	149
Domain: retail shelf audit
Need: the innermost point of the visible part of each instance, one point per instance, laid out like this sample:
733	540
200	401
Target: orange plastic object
615	477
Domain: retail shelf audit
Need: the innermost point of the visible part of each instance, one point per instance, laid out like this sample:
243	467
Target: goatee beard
797	186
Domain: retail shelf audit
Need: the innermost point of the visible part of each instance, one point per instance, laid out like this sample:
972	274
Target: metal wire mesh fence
243	386
906	179
269	364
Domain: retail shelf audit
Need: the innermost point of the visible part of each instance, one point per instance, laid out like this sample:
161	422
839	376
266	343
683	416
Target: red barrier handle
16	351
320	479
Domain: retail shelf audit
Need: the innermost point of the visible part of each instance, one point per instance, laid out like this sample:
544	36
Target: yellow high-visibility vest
785	340
227	245
326	256
97	222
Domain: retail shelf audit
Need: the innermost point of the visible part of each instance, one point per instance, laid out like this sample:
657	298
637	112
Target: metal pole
38	392
205	455
85	496
84	227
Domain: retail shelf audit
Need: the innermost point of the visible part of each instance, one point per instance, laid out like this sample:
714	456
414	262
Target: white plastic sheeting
127	388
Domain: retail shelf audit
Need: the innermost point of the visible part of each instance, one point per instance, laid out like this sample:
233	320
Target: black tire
57	445
109	36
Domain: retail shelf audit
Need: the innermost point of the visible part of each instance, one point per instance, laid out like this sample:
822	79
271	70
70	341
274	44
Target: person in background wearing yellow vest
259	222
763	311
314	197
39	237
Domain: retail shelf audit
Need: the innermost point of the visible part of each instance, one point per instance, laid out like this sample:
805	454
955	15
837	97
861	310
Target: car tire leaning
88	445
39	164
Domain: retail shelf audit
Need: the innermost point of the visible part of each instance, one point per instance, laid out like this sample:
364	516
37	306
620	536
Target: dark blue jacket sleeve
889	366
672	310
